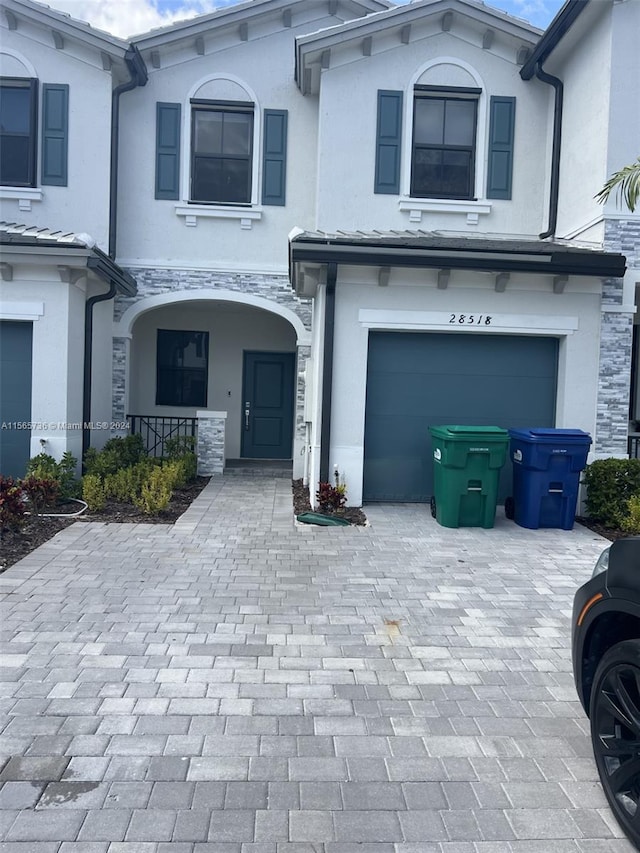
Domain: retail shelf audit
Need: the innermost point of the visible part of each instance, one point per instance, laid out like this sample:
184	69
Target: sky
126	18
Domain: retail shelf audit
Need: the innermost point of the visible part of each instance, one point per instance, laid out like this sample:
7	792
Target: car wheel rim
617	741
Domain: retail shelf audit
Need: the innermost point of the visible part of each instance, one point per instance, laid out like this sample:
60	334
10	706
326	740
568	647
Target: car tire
432	506
614	711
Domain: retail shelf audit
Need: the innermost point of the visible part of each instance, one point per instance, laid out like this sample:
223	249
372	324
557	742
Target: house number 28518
470	319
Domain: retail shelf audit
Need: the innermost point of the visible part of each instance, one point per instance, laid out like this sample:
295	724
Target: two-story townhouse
57	83
442	290
440	270
218	163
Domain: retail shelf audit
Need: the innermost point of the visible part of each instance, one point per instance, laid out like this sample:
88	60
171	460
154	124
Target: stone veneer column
210	446
120	373
616	335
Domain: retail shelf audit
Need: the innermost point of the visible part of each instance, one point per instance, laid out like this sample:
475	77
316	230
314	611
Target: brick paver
238	684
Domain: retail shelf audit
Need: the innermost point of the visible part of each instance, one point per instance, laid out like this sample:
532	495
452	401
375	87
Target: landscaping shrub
631	522
45	467
42	492
117	453
93	492
156	492
12	503
182	449
332	498
125	484
175	471
611	483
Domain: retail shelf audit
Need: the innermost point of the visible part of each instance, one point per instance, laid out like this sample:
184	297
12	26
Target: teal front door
267	405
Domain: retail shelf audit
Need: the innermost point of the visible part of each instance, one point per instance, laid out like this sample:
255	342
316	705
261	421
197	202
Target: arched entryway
235	356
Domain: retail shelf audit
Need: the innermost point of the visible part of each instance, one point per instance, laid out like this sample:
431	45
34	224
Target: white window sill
415	207
23	195
191	213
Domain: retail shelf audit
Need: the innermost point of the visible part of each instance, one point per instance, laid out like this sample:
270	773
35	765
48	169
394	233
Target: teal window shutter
55	134
274	157
501	126
167	151
388	142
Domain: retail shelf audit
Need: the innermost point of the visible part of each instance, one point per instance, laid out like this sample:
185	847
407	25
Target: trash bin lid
542	434
463	429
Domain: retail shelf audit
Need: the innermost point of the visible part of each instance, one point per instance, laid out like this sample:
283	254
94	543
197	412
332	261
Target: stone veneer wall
616	331
210	447
154	281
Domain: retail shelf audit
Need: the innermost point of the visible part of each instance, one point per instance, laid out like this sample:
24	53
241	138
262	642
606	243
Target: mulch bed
301	503
16	544
608	532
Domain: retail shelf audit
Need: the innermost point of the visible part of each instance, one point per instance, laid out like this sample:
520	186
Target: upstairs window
18	131
221	152
182	368
444	142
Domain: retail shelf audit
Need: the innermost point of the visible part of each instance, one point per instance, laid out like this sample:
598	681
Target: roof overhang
229	18
63	27
422	249
552	36
23	244
402	25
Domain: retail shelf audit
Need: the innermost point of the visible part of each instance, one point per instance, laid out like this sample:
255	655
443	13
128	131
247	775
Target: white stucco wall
346	198
57	309
83	205
528	301
260	70
232	330
583	64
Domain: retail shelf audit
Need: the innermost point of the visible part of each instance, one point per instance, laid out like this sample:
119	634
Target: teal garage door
416	380
15	396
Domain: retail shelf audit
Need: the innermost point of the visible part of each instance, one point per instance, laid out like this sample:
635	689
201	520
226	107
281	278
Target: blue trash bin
546	476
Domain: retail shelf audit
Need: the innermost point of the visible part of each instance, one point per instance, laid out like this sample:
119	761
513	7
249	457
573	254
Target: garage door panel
416	380
15	395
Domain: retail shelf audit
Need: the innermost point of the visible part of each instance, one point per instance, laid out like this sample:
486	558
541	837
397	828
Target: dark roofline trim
97	261
556	262
552	36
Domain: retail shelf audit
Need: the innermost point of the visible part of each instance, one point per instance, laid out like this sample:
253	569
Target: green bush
175	471
117	453
156	492
631	523
125	484
611	483
179	446
12	503
93	492
45	467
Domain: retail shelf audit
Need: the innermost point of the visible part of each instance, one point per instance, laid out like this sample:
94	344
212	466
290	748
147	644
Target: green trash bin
466	468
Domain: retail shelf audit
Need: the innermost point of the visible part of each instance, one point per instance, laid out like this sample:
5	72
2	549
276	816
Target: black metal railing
633	448
155	430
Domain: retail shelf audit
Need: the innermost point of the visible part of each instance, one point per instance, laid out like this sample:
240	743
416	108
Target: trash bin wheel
433	507
509	508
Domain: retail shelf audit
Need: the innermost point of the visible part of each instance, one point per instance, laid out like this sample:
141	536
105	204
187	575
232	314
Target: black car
606	667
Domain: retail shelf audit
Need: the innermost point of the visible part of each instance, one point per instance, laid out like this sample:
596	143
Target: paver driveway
237	685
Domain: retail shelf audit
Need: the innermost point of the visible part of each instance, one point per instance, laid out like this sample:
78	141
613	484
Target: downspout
558	87
327	370
88	361
137	77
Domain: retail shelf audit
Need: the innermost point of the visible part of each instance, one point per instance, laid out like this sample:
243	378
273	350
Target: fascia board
67	26
399	16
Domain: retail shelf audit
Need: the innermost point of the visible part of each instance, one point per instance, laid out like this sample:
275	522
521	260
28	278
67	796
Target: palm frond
627	182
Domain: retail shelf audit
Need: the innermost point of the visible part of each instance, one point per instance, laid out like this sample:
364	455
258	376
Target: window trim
197	405
30	83
474	77
446	94
241	107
